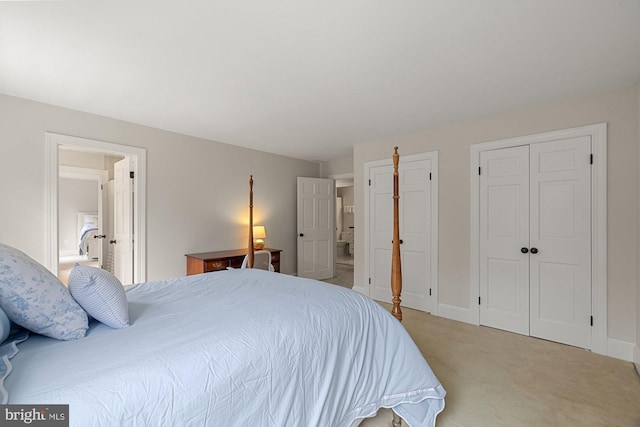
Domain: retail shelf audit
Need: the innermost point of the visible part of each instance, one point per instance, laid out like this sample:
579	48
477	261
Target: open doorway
343	272
344	224
85	210
84	218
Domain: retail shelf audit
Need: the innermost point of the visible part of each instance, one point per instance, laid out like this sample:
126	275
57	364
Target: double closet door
417	221
535	240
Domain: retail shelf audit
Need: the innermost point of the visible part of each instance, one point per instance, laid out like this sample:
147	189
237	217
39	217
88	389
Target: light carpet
497	378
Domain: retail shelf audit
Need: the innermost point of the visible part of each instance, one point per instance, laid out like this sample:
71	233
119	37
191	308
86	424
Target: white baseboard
620	349
636	354
455	313
616	348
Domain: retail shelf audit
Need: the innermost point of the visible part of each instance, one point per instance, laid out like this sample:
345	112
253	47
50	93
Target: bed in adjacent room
88	230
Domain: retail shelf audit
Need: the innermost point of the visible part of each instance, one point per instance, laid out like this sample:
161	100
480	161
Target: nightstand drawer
215	265
215	261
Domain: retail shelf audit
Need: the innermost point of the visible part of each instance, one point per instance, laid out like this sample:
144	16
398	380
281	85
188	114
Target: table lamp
259	235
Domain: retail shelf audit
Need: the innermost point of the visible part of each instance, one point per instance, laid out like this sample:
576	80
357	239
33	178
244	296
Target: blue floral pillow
35	299
5	326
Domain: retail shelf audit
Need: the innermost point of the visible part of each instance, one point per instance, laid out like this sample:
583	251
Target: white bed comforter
235	348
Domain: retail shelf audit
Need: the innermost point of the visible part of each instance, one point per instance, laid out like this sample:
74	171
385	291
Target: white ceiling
310	79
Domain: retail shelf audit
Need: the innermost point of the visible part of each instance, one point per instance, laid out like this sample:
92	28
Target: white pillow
101	295
34	298
5	326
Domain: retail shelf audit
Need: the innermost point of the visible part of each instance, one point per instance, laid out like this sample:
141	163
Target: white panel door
561	241
100	240
122	222
415	218
415	233
535	240
504	231
316	227
381	232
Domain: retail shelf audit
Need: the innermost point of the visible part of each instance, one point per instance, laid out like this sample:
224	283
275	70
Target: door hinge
479	169
369	280
591	320
429	176
478	300
131	174
429	291
591	159
369	182
101	188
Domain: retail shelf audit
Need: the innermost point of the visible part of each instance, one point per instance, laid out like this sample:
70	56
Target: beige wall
81	159
637	347
618	108
196	189
75	195
341	166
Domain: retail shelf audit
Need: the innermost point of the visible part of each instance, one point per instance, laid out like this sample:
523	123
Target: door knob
524	250
112	241
100	236
534	250
301	234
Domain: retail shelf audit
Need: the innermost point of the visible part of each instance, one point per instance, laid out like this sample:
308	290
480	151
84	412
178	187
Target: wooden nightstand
215	261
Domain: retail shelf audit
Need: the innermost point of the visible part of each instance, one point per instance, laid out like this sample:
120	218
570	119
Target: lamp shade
259	232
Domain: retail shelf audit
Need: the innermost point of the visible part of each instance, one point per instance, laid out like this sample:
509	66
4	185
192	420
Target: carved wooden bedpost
396	268
250	245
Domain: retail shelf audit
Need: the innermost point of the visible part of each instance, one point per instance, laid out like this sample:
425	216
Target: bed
87	242
241	347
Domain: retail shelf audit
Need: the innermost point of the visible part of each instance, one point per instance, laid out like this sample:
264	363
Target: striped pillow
100	294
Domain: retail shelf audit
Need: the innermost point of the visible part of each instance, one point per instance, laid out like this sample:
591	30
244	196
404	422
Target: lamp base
258	244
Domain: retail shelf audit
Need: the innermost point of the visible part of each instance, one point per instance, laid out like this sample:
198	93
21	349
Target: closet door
380	231
504	232
416	237
415	233
561	241
535	240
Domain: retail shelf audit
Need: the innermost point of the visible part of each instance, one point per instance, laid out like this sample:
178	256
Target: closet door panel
561	233
504	231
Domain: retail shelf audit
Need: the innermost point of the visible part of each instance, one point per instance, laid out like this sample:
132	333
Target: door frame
433	249
52	142
598	134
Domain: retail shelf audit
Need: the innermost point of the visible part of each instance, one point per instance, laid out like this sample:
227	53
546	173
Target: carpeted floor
348	260
66	264
495	378
343	276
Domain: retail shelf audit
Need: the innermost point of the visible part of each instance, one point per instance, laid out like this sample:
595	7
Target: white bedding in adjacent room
236	348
